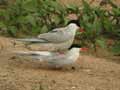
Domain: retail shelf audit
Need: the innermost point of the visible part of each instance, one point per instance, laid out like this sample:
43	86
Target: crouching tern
53	59
58	39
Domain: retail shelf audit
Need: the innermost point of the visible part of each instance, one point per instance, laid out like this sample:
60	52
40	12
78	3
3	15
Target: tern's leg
61	51
54	67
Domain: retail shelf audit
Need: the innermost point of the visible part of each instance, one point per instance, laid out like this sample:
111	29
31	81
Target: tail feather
35	53
31	54
38	54
33	40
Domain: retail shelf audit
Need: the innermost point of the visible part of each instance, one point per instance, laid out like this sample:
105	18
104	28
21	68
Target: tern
59	39
53	59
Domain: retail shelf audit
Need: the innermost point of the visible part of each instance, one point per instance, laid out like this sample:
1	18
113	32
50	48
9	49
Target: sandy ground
90	73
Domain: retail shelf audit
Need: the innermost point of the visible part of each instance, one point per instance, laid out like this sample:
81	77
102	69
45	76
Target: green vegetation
99	27
30	17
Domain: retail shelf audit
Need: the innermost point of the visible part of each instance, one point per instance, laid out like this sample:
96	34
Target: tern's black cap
74	45
75	22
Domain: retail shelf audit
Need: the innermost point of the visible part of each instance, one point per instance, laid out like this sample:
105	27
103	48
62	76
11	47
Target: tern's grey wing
58	60
56	56
35	54
56	36
41	55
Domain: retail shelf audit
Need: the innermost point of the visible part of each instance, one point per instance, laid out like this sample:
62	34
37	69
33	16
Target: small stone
13	57
87	70
73	87
53	81
73	68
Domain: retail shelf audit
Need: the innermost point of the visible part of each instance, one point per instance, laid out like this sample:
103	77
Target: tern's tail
33	40
32	55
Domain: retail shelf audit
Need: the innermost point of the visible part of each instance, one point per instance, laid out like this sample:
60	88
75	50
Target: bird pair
52	43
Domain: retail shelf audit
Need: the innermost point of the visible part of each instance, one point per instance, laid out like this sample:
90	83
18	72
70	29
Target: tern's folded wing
56	36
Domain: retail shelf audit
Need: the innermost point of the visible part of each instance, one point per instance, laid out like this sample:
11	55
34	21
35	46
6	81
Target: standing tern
56	40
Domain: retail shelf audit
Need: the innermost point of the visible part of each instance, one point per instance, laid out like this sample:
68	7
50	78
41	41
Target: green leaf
12	31
2	25
107	24
30	19
101	42
21	20
116	11
86	7
72	8
44	29
35	30
116	48
56	19
30	5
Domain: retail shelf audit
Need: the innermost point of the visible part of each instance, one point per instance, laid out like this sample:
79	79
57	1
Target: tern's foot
56	68
73	68
61	52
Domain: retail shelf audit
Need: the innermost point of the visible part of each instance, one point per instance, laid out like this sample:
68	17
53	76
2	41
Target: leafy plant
116	48
98	26
30	17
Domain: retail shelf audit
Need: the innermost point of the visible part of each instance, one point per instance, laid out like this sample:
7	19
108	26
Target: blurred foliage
99	26
116	48
32	17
